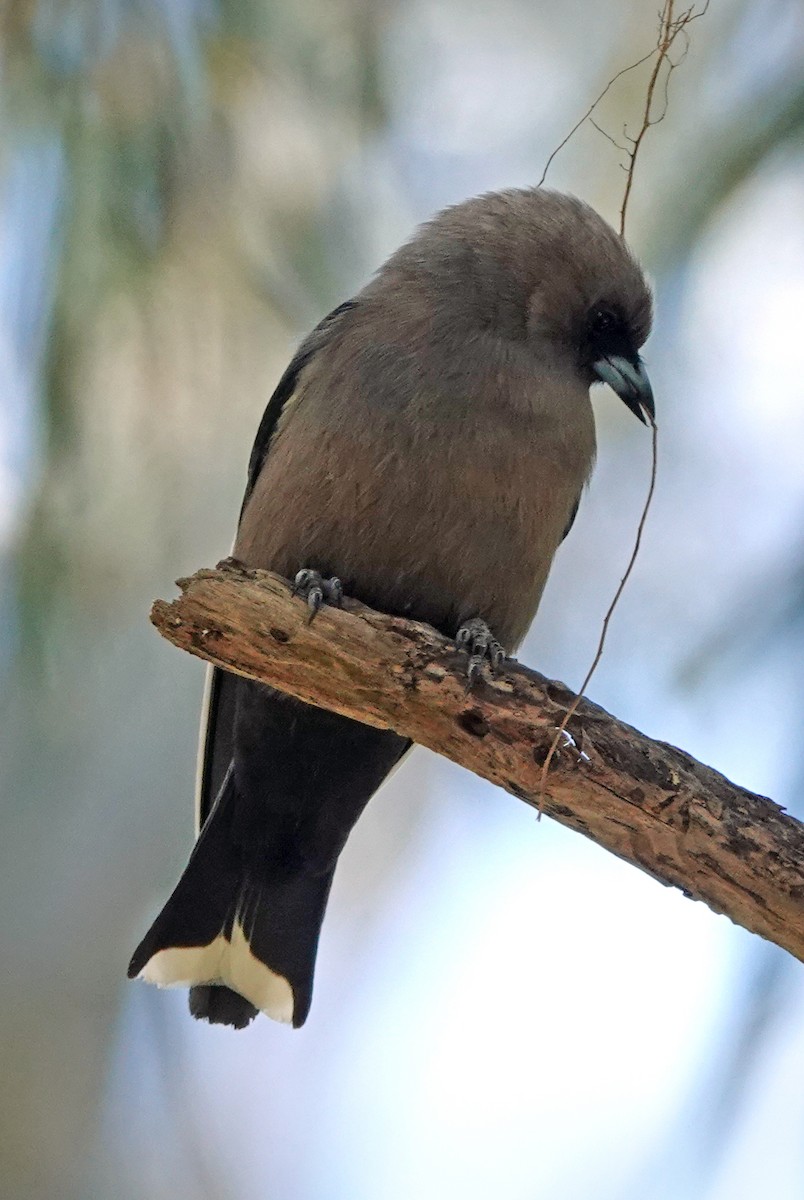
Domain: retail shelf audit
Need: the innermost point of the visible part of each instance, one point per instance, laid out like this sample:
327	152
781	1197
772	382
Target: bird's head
543	268
609	338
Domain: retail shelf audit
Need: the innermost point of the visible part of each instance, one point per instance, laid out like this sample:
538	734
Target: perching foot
316	590
480	644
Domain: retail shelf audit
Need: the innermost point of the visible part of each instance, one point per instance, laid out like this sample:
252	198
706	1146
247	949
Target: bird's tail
242	943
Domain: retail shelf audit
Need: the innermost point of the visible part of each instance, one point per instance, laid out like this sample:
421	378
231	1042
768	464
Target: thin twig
591	109
617	145
670	27
570	713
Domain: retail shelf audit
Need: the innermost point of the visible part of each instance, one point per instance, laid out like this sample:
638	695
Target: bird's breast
434	518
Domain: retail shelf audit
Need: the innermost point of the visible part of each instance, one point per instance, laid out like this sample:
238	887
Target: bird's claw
477	640
316	590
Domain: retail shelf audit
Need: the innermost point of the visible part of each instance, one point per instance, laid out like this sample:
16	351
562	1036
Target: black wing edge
571	520
284	390
217	713
215	740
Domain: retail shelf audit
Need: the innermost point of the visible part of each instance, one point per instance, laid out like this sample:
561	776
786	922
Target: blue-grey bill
629	379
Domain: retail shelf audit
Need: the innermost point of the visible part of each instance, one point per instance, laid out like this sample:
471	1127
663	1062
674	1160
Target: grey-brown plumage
428	445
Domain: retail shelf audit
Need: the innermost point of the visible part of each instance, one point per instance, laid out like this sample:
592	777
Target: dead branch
647	802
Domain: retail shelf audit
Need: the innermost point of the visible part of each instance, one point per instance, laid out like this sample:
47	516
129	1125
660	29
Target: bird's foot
477	640
316	590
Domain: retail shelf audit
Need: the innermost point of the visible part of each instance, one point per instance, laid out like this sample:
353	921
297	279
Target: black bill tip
629	379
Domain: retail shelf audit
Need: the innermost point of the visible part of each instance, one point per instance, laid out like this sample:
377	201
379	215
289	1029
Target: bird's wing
217	711
314	342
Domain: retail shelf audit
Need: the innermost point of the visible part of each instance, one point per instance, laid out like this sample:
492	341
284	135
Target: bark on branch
649	803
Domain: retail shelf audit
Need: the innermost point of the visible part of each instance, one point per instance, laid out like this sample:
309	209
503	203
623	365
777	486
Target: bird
425	452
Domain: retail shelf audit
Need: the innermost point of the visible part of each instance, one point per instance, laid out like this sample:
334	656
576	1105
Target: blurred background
502	1009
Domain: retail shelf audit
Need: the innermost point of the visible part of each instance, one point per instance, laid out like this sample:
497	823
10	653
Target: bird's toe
313	587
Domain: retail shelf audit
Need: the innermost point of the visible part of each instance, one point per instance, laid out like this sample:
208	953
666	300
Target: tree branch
647	802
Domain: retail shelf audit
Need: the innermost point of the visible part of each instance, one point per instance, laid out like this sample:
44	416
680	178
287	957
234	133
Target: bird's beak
629	379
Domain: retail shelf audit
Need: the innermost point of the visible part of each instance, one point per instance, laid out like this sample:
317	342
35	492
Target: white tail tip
228	962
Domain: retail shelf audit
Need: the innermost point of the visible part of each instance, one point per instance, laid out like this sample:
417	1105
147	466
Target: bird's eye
602	322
